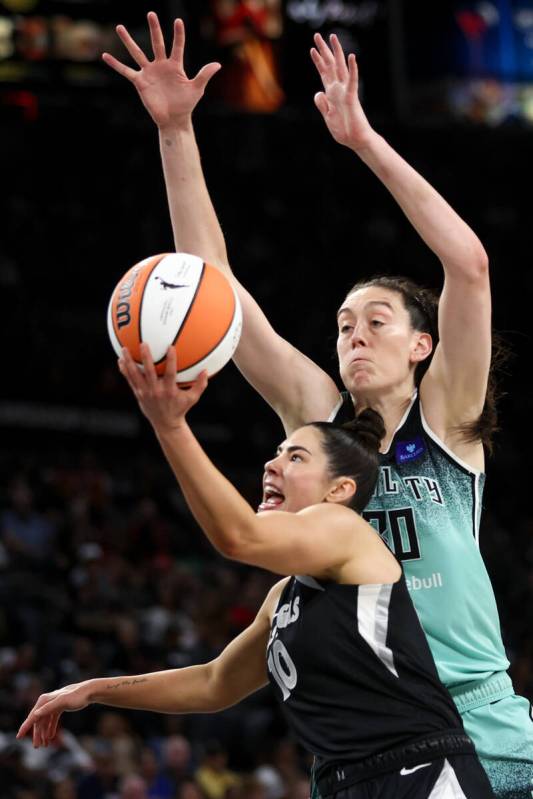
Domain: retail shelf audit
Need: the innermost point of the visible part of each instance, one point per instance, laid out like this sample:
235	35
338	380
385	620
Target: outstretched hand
339	102
161	399
44	716
167	93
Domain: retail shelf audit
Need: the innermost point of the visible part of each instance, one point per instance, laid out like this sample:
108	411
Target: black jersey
353	671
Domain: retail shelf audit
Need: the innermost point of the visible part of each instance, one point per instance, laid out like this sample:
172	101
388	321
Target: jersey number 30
398	528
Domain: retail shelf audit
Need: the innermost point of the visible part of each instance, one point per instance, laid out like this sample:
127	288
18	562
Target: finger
353	74
340	58
118	66
43	729
150	373
41	738
171	368
156	36
35	737
53	706
54	725
318	61
327	56
178	43
131	371
131	46
124	372
321	103
198	387
25	726
205	74
51	723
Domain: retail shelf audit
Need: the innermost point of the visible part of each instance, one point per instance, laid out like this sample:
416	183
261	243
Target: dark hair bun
368	428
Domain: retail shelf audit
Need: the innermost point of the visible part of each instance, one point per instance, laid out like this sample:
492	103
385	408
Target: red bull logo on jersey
417	583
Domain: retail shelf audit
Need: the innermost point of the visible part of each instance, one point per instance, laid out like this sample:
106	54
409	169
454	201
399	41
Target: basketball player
424	365
342	644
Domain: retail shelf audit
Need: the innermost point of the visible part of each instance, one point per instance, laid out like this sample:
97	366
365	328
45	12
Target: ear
422	347
341	491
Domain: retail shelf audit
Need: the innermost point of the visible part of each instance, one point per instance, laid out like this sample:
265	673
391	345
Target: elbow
237	545
212	699
473	266
481	263
478	260
234	550
217	698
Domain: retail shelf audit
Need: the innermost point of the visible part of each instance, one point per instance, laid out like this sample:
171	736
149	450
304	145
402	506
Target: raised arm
237	672
297	388
457	378
285	543
170	97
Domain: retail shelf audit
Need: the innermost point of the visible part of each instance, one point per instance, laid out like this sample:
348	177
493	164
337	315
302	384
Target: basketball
176	299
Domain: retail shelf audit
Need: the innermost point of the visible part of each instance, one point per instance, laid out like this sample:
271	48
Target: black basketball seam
141	340
197	289
220	339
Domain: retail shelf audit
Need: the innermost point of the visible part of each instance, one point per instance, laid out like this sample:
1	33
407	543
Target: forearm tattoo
123	683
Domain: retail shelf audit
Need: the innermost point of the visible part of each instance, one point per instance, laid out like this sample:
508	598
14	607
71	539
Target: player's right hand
163	401
45	714
167	93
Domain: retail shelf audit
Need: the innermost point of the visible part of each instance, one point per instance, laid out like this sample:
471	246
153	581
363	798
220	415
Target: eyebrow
292	448
370	302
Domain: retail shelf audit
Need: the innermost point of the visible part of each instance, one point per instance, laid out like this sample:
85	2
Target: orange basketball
176	299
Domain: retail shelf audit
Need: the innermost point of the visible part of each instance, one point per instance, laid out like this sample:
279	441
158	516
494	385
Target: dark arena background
102	570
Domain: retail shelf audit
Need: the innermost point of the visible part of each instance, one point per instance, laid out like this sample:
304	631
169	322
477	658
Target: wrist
94	690
365	144
166	431
177	126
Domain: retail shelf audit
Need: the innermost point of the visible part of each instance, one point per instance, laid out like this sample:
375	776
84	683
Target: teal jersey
427	506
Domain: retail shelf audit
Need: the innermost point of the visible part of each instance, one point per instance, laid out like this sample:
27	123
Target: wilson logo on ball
124	292
176	299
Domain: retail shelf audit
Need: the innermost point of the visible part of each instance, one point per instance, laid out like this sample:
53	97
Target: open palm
163	86
339	102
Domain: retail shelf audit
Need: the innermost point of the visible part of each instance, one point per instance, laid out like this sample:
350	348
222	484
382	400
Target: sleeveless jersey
353	671
426	506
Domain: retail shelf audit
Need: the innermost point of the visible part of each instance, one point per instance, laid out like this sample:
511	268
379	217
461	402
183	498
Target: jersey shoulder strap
344	412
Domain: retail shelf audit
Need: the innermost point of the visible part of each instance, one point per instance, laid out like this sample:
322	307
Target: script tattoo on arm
133	681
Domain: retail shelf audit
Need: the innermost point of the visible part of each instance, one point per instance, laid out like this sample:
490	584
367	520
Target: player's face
377	346
298	475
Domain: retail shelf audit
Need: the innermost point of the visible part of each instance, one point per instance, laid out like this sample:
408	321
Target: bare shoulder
332	512
335	518
367	559
270	604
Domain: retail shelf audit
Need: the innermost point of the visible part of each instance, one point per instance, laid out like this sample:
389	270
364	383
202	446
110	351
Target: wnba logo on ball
125	289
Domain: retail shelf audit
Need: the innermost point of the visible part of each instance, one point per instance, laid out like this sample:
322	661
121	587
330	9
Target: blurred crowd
99	579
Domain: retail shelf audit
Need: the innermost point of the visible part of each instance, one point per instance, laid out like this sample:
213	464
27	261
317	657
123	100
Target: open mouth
272	499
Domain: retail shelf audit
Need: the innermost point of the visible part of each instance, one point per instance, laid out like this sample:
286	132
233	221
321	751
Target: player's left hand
339	102
163	401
